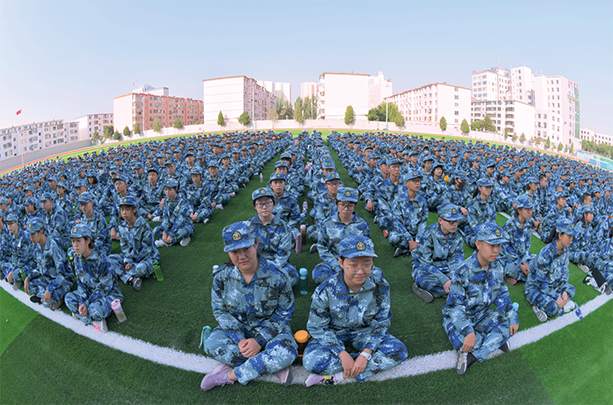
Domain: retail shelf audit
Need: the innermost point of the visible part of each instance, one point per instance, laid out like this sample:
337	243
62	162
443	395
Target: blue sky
65	59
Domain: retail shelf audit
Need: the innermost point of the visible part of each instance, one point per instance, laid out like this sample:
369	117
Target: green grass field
45	362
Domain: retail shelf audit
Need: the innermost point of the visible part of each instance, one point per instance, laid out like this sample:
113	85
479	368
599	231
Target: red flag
18	112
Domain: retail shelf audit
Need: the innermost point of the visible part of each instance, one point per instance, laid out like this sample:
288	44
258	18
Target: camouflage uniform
260	309
100	230
340	318
20	256
516	250
97	287
549	279
473	290
409	220
176	221
479	212
137	249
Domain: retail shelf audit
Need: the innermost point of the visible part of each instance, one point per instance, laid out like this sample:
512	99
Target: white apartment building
561	96
548	124
509	115
427	104
589	135
337	91
282	91
90	123
308	89
28	138
234	95
492	85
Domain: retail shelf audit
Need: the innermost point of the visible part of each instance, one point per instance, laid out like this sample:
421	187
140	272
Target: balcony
510	116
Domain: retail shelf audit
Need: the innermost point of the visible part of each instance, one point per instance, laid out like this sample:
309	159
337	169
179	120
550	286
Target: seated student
604	266
97	285
410	213
152	194
198	196
139	256
440	251
480	210
274	238
286	204
56	222
584	249
217	185
515	255
19	259
559	211
474	329
323	205
253	303
343	223
386	193
548	289
177	226
52	278
95	222
351	310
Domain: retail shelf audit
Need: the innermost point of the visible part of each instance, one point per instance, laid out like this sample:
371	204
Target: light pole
386	106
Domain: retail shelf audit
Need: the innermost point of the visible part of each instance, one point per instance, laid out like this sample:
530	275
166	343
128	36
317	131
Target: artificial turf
172	313
14	317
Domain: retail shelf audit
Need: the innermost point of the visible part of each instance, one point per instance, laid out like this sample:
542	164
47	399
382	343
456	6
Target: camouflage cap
491	233
584	209
86	197
262	192
560	194
239	235
128	200
347	194
11	217
485	182
171	183
356	246
566	226
331	176
450	212
525	201
278	176
81	231
120	177
412	174
46	196
35	225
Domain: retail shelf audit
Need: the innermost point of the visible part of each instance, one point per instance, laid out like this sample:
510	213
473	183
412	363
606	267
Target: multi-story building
337	91
427	104
28	138
145	105
233	96
550	95
510	116
90	123
587	134
308	89
548	125
282	91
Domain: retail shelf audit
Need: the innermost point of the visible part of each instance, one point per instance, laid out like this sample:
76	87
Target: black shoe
401	252
35	299
505	347
423	294
136	283
313	248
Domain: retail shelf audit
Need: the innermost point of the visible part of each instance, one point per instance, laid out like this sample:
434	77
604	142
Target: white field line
200	364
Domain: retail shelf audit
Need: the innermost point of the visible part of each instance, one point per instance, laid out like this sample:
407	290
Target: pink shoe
510	280
285	376
217	378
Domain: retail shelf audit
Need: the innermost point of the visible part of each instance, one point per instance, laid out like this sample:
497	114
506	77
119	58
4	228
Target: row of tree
598	148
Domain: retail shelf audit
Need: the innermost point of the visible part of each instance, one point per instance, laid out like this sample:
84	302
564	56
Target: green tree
548	143
522	138
572	148
108	131
244	119
126	131
372	115
117	136
476	125
178	124
443	124
273	115
298	114
560	147
95	136
565	148
156	126
464	127
488	125
514	137
506	133
349	118
220	121
390	112
136	129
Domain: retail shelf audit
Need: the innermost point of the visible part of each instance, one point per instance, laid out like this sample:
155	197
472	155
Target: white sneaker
540	314
584	268
219	207
100	326
159	243
156	219
185	241
205	221
570	306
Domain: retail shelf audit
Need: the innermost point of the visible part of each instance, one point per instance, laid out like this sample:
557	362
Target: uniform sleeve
540	277
230	325
505	306
382	319
457	300
318	325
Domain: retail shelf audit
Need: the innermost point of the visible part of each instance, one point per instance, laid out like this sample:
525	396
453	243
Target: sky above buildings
65	59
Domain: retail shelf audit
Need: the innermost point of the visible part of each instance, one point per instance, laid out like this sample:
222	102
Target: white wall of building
32	137
234	95
521	84
337	91
378	90
88	124
122	112
308	89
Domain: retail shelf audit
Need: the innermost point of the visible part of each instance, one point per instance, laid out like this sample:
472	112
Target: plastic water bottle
299	243
305	206
515	306
302	338
206	331
303	233
116	305
261	178
304	281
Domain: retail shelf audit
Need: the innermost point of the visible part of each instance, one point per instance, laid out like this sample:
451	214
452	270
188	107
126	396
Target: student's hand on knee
26	285
447	286
413	245
514	329
9	278
47	296
358	366
347	363
469	342
249	347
